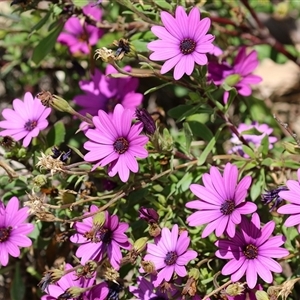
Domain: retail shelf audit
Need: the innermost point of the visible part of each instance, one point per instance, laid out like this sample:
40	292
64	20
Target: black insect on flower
114	290
123	48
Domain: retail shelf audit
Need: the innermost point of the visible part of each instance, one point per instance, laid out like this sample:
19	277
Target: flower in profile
170	254
251	252
272	196
146	119
239	75
293	208
97	239
254	138
80	36
61	289
221	201
13	229
183	41
25	120
146	291
148	214
116	142
105	93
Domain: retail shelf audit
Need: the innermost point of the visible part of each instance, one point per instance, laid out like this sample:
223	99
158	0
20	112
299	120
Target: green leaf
209	146
56	135
181	112
248	151
76	151
17	290
265	145
200	130
80	3
157	88
46	45
40	24
188	136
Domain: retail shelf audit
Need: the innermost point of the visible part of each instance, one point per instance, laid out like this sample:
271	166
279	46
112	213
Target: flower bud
154	230
261	295
148	267
140	245
149	215
235	289
148	123
194	273
7	143
99	219
39	180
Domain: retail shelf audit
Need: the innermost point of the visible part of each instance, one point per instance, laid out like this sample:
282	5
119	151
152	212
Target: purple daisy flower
170	254
146	291
255	139
183	41
251	252
13	229
116	142
239	75
221	201
96	240
25	120
105	93
69	280
78	36
293	209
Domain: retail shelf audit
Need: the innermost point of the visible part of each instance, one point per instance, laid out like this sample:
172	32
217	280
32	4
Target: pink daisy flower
293	208
221	201
116	142
96	241
170	254
78	36
251	252
25	120
239	75
105	93
13	229
69	280
183	41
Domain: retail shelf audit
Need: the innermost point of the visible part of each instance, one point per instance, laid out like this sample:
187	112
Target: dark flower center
5	233
30	125
121	145
110	104
251	251
227	207
187	46
171	258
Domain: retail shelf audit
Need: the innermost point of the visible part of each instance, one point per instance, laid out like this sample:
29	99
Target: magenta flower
170	254
116	142
221	201
239	75
183	41
146	291
13	229
78	36
69	280
105	93
292	209
96	240
255	139
251	252
25	120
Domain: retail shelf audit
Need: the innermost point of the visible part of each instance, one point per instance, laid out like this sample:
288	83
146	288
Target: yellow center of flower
171	258
121	145
250	251
4	233
187	46
227	207
30	125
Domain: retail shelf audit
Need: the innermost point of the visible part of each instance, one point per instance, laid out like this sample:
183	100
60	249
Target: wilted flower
170	254
251	252
221	201
146	119
116	142
105	93
13	229
273	197
80	36
292	209
25	120
183	41
97	240
254	138
239	75
149	215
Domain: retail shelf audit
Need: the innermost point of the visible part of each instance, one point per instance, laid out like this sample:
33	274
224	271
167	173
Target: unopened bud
194	273
148	266
261	295
99	219
154	230
140	245
235	289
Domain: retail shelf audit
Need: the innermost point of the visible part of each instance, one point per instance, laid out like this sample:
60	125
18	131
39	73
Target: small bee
51	191
63	156
123	48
